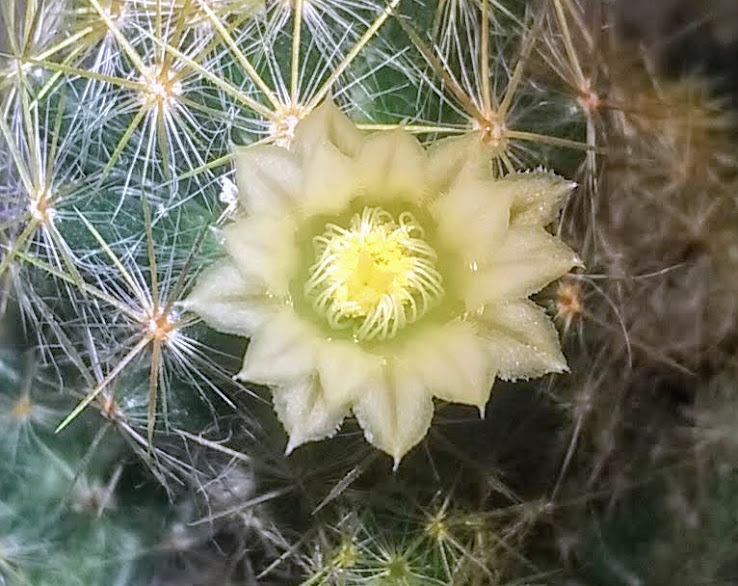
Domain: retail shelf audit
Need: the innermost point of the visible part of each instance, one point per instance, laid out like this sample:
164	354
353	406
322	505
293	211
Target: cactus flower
372	275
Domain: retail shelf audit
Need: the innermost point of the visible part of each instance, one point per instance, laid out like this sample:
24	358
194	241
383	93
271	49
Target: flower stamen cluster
377	276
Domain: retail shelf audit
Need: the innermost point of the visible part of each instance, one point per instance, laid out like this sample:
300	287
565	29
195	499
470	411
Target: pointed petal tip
292	444
554	368
560	368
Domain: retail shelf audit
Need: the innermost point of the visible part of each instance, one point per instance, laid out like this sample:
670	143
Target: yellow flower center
377	276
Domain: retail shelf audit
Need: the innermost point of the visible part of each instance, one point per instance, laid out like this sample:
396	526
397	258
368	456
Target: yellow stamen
377	276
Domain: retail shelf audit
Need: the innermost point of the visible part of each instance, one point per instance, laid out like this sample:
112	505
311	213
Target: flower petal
538	196
473	218
330	181
453	363
345	369
528	260
453	158
521	340
392	165
227	301
282	351
395	415
263	248
269	179
304	412
327	124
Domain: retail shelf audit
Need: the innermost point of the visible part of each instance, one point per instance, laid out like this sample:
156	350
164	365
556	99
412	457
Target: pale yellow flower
373	275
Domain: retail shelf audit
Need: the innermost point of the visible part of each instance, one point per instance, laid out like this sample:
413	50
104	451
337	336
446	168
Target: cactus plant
131	454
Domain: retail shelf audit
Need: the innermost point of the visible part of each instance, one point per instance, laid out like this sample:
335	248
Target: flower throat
376	276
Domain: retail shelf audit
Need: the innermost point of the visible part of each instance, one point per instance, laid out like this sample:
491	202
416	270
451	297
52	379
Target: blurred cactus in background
128	453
